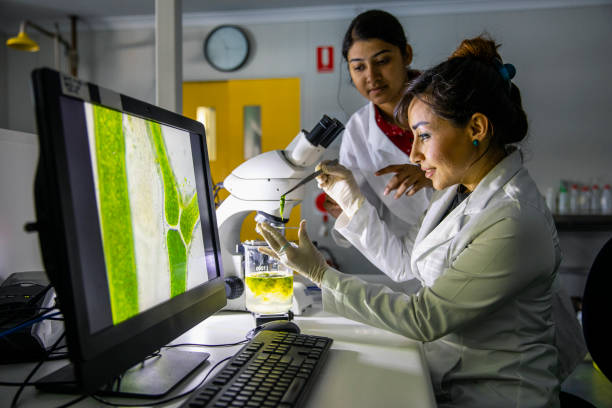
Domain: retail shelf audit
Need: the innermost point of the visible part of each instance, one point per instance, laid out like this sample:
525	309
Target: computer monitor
127	230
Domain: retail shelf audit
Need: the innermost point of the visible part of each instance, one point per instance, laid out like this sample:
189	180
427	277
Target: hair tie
507	71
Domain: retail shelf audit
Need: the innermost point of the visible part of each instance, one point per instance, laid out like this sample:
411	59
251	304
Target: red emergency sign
325	59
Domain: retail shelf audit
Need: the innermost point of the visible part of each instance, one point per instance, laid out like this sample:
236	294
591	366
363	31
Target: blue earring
475	142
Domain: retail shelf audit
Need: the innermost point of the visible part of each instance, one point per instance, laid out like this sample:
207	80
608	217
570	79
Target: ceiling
46	9
13	11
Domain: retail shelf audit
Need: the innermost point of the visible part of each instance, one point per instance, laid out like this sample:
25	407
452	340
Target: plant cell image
148	209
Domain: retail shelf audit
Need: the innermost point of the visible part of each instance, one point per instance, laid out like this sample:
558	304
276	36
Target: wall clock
227	48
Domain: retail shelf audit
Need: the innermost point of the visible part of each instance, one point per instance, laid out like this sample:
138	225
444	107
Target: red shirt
402	138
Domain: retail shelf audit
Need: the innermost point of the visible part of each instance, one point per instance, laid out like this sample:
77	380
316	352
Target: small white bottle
563	200
585	200
606	200
595	207
551	200
574	196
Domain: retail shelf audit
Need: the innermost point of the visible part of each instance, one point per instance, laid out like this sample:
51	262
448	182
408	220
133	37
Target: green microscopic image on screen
148	210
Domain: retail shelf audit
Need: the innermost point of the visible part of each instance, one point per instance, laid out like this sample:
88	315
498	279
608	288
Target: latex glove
305	259
338	182
332	207
408	179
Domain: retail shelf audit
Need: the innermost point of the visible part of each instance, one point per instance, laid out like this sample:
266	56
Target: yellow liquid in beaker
269	292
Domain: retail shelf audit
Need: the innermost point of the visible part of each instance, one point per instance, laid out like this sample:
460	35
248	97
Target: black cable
117	380
74	401
27	323
49	357
2	323
22	310
16	384
57	355
40	363
116	383
176	397
60	356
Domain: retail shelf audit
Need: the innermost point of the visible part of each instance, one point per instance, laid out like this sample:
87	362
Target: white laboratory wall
3	83
563	58
19	250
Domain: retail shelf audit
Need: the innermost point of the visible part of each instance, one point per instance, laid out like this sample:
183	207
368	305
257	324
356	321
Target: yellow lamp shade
22	42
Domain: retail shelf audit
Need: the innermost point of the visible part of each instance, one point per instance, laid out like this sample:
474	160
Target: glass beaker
269	284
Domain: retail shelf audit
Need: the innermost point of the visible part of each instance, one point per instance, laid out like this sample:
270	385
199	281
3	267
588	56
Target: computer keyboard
274	369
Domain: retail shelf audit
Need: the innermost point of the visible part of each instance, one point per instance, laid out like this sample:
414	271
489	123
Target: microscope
257	185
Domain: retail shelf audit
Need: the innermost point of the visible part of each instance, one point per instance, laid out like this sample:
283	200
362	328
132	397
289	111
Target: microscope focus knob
234	287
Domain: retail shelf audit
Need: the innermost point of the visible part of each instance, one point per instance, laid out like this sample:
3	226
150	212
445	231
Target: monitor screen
147	208
126	222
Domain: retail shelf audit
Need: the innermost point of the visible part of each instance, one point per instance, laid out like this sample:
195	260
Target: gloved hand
338	182
305	259
332	207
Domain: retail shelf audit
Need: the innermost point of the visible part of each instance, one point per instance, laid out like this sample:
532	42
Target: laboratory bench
584	222
365	367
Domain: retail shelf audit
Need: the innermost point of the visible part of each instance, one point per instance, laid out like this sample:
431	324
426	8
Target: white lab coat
365	149
490	313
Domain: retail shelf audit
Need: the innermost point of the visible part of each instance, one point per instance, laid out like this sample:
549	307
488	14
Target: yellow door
279	102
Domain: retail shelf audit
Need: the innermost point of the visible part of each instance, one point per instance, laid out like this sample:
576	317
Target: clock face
226	48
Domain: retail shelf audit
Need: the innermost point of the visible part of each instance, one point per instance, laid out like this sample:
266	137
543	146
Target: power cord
74	401
28	323
167	400
40	363
117	380
99	399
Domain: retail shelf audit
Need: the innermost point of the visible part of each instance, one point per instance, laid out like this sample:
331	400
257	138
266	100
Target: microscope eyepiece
331	133
325	131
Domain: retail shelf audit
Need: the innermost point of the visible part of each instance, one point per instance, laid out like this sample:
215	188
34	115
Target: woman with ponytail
374	148
495	329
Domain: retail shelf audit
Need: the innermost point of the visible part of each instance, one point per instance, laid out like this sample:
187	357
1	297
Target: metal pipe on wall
168	54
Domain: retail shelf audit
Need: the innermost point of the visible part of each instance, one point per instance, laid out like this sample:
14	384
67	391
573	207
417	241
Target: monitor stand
153	378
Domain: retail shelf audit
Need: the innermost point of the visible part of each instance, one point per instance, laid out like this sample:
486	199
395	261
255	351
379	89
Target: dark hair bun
471	81
480	48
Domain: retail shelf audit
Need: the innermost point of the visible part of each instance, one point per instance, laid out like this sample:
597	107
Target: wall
563	58
18	156
3	83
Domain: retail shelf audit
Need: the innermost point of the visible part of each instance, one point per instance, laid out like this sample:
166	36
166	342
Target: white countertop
365	367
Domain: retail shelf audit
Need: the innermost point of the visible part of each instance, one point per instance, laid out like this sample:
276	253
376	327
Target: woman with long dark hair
378	58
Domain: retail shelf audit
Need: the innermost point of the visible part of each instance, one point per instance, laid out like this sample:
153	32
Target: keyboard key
294	391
